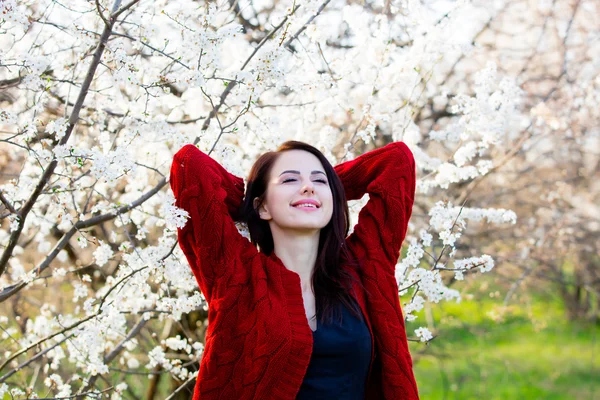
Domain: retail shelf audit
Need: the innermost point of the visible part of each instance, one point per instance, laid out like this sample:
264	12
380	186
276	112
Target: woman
311	314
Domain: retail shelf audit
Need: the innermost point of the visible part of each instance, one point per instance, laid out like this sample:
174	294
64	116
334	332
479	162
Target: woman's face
298	195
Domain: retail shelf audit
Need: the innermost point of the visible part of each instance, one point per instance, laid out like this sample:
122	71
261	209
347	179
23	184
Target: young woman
310	313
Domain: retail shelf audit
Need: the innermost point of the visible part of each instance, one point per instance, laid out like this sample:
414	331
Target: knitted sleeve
388	175
211	195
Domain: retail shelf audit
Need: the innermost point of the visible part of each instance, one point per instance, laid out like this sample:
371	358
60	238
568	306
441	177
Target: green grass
532	352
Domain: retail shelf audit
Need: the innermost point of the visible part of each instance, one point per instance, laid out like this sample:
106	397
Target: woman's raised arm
388	175
211	195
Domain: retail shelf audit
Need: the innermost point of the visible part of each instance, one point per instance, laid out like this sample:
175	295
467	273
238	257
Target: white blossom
426	237
10	10
14	392
485	263
156	357
82	242
103	253
175	217
119	389
177	343
80	291
56	383
3	390
57	127
14	222
415	305
424	334
132	363
56	355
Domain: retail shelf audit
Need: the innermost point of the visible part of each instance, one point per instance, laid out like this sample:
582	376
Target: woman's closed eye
293	179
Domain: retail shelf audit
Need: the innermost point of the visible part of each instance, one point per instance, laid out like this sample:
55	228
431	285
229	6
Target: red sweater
258	341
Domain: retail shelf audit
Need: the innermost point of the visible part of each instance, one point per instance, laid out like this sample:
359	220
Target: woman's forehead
298	160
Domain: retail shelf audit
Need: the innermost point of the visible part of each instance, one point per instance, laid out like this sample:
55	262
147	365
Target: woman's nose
309	187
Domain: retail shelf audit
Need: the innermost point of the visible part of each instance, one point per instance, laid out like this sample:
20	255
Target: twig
420	341
31	346
230	87
184	386
32	359
106	23
7	203
451	228
116	14
96	394
311	19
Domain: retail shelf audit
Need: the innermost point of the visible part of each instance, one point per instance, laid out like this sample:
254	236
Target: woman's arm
388	175
211	196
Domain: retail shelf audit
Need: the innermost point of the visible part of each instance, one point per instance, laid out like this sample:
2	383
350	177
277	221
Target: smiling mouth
306	206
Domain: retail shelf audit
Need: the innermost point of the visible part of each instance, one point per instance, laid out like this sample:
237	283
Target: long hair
331	282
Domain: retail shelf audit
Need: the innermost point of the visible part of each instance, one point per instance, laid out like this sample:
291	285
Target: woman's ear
262	210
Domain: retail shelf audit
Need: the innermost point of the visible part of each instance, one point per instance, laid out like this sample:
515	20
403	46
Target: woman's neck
298	252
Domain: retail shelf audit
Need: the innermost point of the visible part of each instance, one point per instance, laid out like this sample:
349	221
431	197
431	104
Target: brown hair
331	282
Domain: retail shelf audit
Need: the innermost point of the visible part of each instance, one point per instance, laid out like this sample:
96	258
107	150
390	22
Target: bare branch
185	386
126	7
6	203
98	8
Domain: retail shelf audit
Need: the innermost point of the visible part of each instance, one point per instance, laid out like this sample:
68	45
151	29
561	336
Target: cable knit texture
258	341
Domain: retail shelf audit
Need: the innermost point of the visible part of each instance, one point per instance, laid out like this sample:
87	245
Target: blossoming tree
96	296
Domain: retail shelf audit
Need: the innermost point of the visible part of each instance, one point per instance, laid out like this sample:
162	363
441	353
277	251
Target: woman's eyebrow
292	171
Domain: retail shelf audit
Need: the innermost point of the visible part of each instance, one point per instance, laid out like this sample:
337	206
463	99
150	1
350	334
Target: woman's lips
306	208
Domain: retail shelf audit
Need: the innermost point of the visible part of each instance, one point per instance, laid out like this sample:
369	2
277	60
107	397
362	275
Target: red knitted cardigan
258	341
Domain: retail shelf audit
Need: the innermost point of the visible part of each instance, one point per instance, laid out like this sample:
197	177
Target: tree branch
7	204
74	117
111	356
231	85
32	359
311	19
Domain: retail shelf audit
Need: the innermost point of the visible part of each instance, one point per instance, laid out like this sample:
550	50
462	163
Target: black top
340	360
